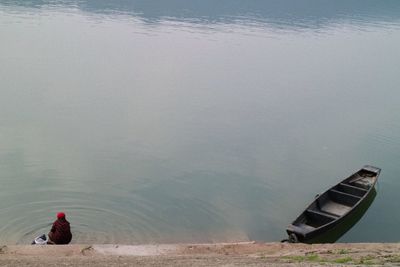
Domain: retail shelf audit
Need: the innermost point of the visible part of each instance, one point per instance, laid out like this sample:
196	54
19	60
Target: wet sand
221	254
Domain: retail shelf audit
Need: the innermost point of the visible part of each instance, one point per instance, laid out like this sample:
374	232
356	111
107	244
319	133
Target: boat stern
373	169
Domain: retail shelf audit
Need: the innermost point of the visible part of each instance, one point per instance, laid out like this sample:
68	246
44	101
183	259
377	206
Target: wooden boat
335	208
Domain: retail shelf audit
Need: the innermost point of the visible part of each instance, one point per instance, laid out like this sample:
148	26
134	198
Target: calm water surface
194	121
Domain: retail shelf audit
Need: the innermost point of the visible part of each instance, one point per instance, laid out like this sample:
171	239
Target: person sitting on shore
60	233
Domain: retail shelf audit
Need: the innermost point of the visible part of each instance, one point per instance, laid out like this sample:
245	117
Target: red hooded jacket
61	232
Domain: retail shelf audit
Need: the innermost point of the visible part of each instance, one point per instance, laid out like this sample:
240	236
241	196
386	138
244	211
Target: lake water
194	121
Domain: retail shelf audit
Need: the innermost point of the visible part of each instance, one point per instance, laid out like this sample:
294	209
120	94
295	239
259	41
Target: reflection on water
192	121
280	14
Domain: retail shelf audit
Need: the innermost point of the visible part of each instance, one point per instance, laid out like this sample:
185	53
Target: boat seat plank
343	194
343	198
355	187
349	189
317	219
322	213
335	208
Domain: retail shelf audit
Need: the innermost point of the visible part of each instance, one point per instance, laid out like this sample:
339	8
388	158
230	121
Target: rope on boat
291	239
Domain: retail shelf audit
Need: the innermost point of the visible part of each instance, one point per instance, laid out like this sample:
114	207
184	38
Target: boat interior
336	202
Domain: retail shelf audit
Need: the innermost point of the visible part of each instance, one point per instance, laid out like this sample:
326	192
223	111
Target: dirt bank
226	254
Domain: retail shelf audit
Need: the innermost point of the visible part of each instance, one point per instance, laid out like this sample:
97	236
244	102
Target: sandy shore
222	254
